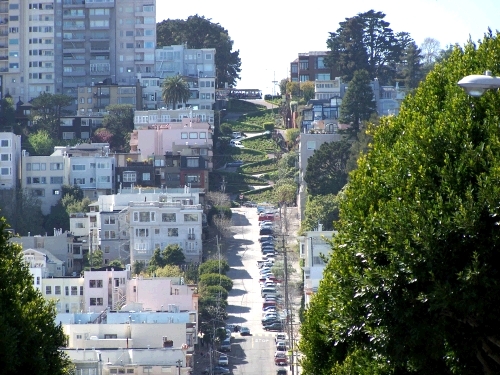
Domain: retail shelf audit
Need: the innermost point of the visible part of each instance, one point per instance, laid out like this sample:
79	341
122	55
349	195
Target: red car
280	359
266	217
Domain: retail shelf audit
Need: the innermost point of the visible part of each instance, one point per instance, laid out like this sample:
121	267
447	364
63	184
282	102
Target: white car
223	360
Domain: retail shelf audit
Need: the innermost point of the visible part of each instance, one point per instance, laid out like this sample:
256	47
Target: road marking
261	340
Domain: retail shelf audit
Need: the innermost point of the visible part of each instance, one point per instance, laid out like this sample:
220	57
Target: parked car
266	238
223	360
281	346
245	331
281	371
280	337
265	222
270	308
276	326
235	143
264	231
216	370
281	361
226	345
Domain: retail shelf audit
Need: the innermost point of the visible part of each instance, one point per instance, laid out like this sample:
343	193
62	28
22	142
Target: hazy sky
270	34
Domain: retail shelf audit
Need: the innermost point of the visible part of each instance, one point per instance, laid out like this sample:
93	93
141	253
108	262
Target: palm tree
174	90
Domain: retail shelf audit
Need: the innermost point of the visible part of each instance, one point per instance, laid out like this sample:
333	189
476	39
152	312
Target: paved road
250	355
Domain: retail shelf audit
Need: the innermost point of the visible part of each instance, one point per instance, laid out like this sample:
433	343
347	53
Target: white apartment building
10	156
44	176
314	245
326	90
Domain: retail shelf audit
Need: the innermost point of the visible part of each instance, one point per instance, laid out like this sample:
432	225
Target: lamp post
477	84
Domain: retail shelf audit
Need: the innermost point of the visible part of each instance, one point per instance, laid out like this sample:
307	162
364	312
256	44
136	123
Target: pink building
158	139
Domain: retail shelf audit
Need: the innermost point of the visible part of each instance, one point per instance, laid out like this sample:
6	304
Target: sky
270	34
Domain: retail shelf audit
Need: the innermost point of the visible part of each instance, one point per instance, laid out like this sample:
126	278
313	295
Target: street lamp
477	84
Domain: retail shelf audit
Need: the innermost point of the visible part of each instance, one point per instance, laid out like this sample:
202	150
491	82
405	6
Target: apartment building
10	156
313	246
310	66
57	46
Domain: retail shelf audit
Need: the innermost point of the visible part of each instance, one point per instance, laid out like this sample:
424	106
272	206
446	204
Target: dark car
281	371
264	231
216	370
266	239
276	326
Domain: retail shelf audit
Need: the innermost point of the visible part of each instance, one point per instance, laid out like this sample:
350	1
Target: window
193	135
192	178
57	289
317	261
38	192
78	181
5	157
129	176
203	135
96	302
320	63
144	217
146	177
5	171
95	283
303	65
110	220
56	180
190	217
184	135
168	217
304	78
48	290
74	290
311	145
173	232
142	232
104	179
193	162
78	167
4	143
81	290
109	234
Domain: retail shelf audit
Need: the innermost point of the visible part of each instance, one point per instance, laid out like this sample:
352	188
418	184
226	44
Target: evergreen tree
29	337
411	66
358	103
120	122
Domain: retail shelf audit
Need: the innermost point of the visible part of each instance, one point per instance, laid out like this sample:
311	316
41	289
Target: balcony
191	236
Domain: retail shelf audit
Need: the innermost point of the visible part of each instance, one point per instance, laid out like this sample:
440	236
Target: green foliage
214	291
199	32
8	115
282	86
94	259
285	192
323	209
138	267
175	90
23	211
29	337
262	166
307	88
116	263
213	266
41	143
411	70
47	111
358	103
120	122
412	281
293	88
226	129
172	254
268	126
326	169
237	105
213	279
261	144
291	135
168	270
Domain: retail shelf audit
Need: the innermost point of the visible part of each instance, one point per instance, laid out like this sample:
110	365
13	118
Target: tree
285	192
41	143
199	32
430	50
119	121
138	267
173	255
213	266
307	89
347	51
29	336
320	209
411	66
326	168
47	111
175	90
94	259
103	135
7	114
213	279
293	88
358	103
291	135
366	42
216	198
22	211
169	270
412	280
116	263
282	85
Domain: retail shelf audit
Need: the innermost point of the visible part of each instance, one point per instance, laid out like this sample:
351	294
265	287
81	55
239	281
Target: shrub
269	126
226	128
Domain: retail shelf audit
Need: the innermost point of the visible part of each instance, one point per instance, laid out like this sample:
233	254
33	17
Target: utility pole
179	365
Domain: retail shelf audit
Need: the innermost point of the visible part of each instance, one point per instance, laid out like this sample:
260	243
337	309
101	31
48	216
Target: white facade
314	245
325	90
10	155
43	177
94	174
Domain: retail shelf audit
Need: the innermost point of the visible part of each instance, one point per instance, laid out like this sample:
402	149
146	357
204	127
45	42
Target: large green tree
23	211
320	209
29	337
200	32
411	67
47	111
366	42
172	254
175	90
358	103
119	120
412	283
41	143
326	169
8	114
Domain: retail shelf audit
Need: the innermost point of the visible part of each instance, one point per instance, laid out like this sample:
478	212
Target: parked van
268	290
